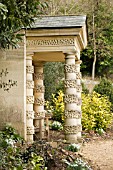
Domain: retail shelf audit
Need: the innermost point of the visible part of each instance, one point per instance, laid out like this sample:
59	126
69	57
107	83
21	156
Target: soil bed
95	149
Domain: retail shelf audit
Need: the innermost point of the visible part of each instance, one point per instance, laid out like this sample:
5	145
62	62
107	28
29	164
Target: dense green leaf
14	15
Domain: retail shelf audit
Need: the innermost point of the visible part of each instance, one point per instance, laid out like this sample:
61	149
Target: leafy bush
78	164
10	133
12	153
96	112
56	126
73	147
105	87
58	106
9	153
100	131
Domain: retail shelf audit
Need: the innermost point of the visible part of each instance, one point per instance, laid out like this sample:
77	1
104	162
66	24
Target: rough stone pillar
39	100
29	98
72	113
79	90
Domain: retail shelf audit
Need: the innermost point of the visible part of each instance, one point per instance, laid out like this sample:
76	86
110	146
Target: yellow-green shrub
96	112
58	106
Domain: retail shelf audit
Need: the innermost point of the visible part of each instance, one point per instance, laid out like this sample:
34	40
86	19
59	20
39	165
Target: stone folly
58	39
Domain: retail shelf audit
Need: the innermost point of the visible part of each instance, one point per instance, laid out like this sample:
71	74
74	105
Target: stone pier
72	100
39	101
29	98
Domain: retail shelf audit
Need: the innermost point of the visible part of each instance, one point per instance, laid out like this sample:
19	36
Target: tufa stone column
78	90
29	98
72	113
39	101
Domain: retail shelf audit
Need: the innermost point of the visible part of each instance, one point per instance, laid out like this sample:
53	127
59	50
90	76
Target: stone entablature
51	41
44	44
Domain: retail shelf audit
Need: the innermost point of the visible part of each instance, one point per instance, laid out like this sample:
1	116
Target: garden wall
90	84
12	88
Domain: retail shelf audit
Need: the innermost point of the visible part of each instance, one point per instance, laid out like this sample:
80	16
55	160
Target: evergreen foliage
53	80
84	89
14	15
105	87
100	31
15	156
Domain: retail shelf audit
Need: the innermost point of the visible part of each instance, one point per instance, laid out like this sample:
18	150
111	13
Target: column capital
29	56
78	61
38	64
70	55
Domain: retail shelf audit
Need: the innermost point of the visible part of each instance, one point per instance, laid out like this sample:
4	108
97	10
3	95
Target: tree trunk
94	45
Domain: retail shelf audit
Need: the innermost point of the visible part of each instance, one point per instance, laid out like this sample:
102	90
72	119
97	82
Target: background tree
54	76
97	57
100	34
54	72
15	14
61	7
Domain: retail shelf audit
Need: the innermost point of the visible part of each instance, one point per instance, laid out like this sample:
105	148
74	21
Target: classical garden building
59	38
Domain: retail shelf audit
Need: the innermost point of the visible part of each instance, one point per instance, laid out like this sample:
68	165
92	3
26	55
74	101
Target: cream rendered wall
13	102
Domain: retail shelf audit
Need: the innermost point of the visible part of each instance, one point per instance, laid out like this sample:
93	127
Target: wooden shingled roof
59	22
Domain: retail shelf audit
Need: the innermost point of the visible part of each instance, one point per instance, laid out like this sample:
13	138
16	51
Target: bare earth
100	153
95	149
